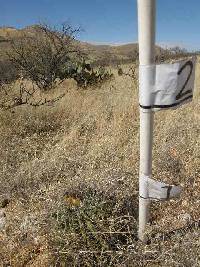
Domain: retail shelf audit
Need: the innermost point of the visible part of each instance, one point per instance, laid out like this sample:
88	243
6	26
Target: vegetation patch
91	227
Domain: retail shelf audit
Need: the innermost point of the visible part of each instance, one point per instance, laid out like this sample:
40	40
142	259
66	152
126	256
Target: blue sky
109	21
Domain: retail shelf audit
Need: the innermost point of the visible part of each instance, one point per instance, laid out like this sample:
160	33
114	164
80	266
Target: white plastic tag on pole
166	85
158	190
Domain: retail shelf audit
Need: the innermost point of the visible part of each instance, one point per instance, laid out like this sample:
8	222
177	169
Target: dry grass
70	172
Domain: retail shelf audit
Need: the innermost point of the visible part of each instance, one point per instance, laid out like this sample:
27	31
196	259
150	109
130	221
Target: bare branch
44	56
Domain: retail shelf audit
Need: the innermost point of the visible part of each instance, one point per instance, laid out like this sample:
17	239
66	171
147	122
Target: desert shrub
173	53
45	56
89	229
131	72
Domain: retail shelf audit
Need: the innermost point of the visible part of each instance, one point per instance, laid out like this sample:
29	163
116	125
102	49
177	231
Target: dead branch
26	97
49	102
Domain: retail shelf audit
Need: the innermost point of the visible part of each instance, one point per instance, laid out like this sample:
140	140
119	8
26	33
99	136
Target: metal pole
146	26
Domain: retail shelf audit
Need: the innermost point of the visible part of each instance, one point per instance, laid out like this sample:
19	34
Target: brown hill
97	53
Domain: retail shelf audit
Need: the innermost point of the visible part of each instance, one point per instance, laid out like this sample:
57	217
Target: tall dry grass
70	173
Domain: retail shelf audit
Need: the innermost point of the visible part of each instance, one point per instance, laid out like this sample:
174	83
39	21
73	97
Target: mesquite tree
45	54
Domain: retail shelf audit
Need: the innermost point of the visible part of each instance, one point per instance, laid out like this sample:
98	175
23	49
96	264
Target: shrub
45	55
174	53
90	229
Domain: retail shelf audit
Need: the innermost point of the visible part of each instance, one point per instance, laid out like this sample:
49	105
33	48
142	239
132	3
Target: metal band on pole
146	28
